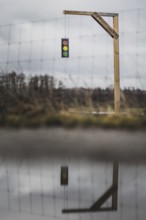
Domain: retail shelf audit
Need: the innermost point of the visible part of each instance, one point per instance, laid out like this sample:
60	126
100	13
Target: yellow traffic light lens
65	48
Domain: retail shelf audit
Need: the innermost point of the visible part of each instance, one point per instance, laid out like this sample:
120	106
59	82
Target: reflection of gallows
113	32
97	206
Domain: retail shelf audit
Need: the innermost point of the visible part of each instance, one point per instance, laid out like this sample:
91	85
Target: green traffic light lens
65	54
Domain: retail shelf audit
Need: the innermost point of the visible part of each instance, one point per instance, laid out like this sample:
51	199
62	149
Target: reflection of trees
18	93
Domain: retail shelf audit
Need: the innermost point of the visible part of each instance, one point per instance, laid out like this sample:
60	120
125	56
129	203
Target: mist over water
89	144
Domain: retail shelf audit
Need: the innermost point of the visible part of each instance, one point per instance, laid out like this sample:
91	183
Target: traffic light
65	47
64	176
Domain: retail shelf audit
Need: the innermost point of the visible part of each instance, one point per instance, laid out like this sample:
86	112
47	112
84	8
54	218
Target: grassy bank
71	120
42	100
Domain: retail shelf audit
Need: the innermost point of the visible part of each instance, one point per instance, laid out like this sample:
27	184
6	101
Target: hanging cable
65	25
136	193
19	50
8	186
42	191
18	185
30	187
42	47
54	194
121	192
8	48
30	49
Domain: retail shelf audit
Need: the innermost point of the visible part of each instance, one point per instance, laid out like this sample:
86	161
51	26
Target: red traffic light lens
65	42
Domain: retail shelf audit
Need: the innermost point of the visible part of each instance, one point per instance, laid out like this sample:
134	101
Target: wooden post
115	184
116	67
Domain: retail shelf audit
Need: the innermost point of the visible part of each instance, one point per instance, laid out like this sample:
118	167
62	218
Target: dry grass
69	120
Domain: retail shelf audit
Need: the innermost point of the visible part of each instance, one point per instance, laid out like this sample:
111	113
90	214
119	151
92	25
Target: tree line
43	93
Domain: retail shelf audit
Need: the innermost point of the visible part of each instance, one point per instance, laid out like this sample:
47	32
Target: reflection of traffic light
64	175
65	47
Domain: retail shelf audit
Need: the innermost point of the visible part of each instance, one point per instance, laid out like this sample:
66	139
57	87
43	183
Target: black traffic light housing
64	176
65	47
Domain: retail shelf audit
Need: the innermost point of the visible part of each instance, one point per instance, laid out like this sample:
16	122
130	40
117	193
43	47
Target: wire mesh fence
34	49
32	72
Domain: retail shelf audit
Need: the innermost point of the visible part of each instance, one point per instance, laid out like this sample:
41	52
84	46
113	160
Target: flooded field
30	169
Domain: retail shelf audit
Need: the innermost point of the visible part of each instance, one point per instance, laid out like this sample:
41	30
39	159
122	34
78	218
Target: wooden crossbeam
104	14
65	211
75	210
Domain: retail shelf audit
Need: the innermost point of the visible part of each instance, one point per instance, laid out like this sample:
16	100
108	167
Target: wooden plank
105	25
115	184
78	12
89	13
106	209
107	14
75	210
116	67
65	211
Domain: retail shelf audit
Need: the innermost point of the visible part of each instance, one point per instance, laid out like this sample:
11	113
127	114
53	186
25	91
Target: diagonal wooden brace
97	205
105	25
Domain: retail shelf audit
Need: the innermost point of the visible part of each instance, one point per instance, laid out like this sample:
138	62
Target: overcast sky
17	10
88	65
